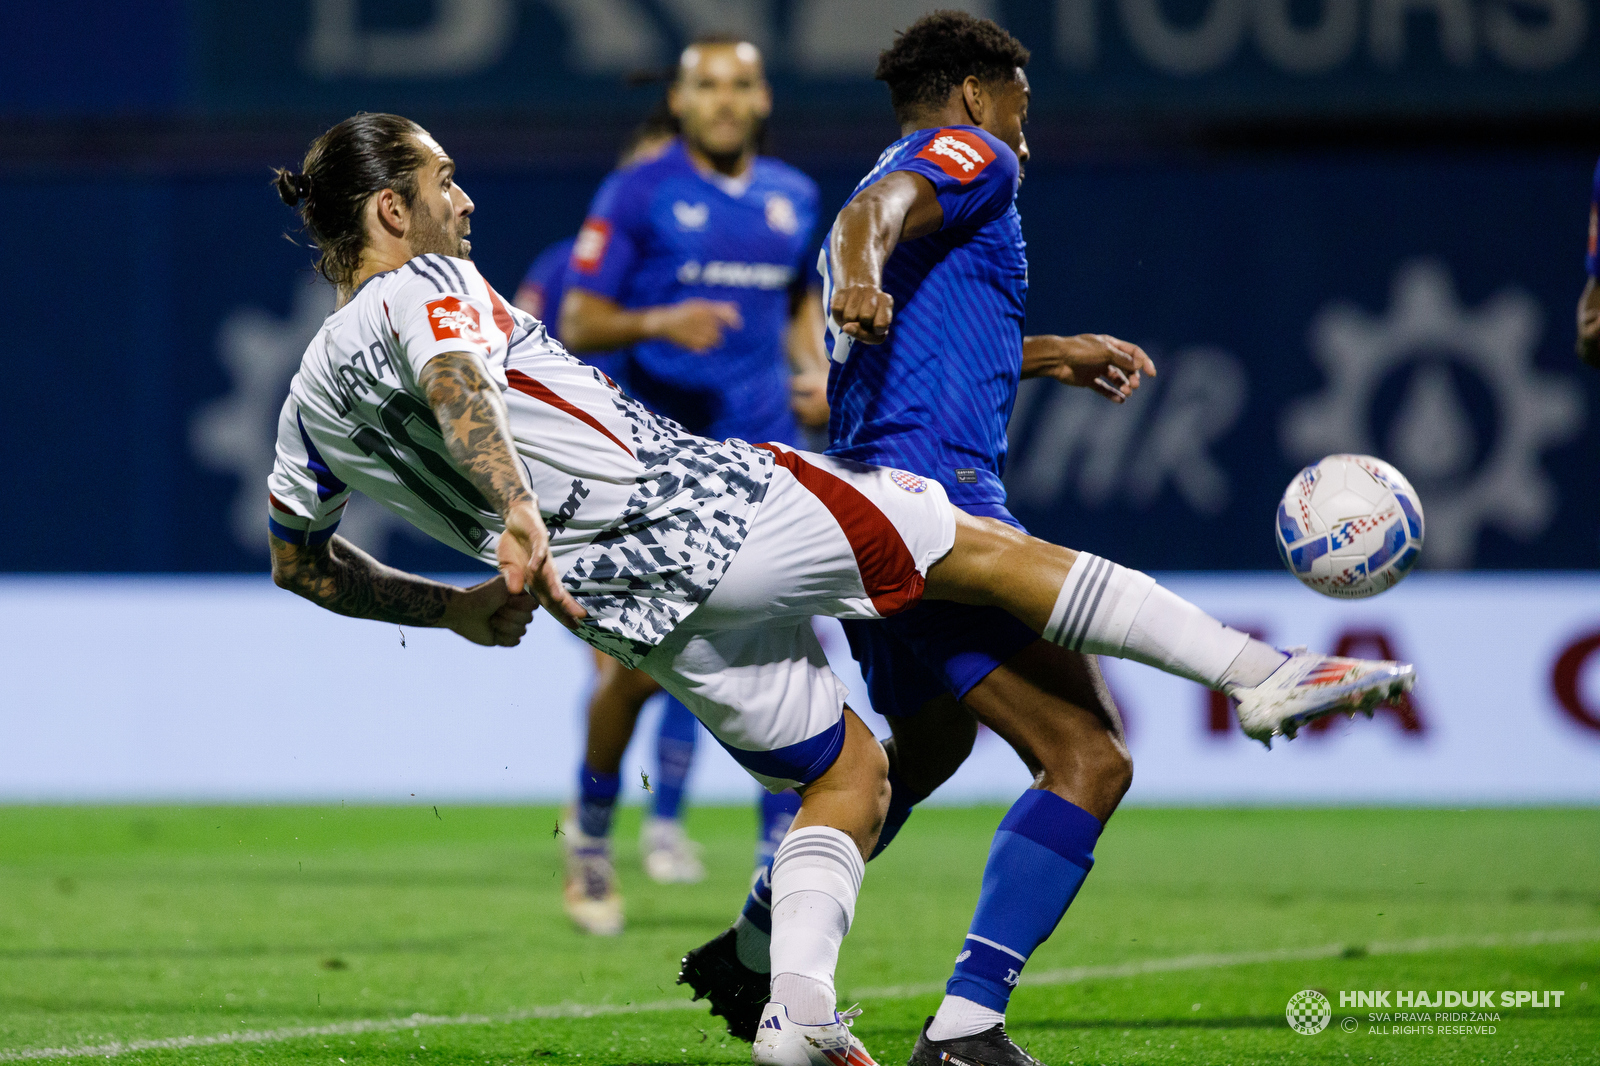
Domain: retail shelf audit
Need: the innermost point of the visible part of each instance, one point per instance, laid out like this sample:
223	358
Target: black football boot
736	992
992	1047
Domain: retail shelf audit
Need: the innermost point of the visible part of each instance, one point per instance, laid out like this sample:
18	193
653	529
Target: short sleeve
1592	260
974	174
610	240
438	311
305	499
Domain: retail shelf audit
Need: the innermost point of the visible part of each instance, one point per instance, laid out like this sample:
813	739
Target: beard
435	235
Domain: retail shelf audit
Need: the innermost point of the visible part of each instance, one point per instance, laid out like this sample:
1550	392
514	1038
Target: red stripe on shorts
888	572
540	391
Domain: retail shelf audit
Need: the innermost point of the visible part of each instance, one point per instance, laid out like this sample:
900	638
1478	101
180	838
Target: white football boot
780	1042
1309	686
591	896
670	857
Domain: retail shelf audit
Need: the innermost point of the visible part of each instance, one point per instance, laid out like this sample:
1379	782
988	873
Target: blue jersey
543	288
935	397
545	284
1593	259
662	231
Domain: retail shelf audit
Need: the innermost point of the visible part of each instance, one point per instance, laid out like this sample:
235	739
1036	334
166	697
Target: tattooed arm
346	580
476	430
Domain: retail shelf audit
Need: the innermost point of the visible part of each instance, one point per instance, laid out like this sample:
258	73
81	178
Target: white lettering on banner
463	37
1311	49
1530	35
609	36
1454	18
842	38
1205	47
1130	452
1469	482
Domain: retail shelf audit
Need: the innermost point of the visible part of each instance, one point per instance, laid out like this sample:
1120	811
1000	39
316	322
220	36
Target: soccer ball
1349	526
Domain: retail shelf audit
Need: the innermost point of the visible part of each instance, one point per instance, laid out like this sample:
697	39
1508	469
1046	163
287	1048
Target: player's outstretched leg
591	895
670	857
1091	605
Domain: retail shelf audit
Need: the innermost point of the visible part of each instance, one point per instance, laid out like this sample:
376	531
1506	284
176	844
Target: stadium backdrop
1412	303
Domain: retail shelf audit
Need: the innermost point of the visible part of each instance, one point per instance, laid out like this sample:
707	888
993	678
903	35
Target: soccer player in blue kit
926	277
695	262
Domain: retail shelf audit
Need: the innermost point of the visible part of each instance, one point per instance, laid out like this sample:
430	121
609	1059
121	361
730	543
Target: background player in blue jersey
695	263
926	277
1589	305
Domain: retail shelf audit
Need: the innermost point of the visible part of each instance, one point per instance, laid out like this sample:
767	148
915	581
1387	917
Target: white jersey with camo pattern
644	517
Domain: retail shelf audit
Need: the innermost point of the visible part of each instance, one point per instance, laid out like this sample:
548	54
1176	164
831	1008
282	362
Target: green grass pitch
315	934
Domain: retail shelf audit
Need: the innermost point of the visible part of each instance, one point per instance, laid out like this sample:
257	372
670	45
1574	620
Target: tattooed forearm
472	419
346	580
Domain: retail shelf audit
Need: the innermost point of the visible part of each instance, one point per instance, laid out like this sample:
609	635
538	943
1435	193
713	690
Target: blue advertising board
565	58
1417	308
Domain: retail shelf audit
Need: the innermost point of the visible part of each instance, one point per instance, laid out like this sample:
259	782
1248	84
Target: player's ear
973	97
386	213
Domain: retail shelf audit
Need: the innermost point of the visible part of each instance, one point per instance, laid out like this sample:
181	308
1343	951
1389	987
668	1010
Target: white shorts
832	537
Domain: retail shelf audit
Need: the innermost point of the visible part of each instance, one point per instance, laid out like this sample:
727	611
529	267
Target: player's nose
465	207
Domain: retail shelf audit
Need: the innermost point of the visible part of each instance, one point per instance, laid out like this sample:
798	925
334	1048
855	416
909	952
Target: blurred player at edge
695	261
926	277
589	891
700	561
1589	304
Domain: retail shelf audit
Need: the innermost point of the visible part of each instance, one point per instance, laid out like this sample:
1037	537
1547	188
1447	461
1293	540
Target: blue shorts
937	647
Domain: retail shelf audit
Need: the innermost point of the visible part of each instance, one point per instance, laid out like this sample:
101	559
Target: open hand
808	396
863	312
489	614
1095	361
524	560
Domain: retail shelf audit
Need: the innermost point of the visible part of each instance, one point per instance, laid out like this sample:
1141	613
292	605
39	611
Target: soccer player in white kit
699	561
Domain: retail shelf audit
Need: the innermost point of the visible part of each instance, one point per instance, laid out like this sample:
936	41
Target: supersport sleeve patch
959	153
604	254
974	174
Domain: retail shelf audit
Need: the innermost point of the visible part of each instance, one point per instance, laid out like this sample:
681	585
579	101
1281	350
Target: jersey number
443	488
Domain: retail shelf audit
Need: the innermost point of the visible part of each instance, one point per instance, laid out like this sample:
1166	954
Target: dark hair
660	122
343	168
941	50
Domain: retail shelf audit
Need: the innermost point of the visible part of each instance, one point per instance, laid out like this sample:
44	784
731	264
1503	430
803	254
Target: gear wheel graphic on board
237	433
1432	438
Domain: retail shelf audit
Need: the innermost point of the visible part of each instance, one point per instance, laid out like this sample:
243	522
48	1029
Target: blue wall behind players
1419	307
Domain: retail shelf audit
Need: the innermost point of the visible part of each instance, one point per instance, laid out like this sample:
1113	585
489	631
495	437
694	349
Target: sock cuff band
818	859
594	785
1052	822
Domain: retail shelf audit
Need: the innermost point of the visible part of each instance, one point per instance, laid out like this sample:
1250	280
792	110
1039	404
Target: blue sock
674	755
901	801
1041	853
777	812
597	798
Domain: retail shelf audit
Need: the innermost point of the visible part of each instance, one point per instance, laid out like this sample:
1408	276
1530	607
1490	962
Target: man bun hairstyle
941	50
362	155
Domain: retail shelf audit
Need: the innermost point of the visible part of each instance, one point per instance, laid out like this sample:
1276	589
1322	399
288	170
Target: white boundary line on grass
1070	975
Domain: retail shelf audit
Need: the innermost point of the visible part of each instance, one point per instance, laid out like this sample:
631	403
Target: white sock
1106	609
816	876
962	1017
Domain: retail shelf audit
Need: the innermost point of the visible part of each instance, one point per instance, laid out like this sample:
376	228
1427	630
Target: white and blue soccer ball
1349	526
